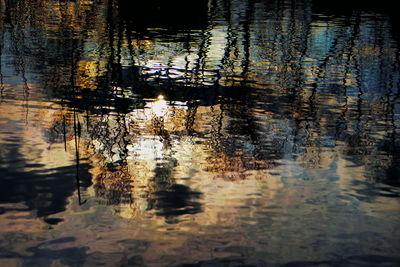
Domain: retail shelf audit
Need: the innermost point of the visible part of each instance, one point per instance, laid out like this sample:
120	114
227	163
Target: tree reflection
246	83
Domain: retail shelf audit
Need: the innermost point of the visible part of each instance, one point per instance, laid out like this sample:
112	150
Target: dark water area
199	133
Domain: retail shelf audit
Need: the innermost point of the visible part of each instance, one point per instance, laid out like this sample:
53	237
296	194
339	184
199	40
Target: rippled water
212	133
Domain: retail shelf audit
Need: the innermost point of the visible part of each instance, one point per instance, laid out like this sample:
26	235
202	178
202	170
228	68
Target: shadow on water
44	191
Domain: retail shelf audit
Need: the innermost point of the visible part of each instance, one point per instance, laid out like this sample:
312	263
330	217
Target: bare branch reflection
239	89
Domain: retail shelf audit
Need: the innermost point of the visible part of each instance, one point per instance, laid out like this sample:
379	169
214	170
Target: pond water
209	133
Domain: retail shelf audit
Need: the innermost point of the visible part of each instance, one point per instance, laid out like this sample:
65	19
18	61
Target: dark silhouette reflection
173	15
177	200
45	191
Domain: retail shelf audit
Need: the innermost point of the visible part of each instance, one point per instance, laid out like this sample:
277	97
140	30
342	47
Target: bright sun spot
159	107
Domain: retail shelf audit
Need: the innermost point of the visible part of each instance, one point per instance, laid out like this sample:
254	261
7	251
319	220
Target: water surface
220	133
